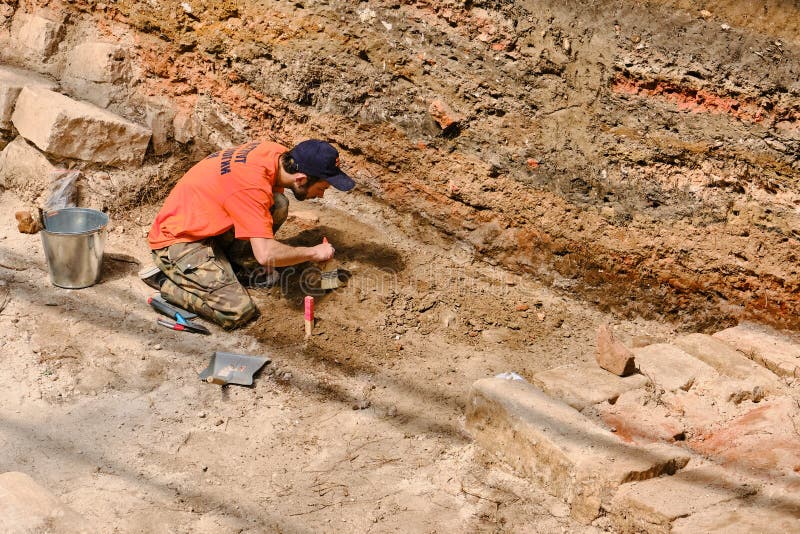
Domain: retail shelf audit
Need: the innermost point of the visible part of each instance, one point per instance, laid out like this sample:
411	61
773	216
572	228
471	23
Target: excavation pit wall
650	168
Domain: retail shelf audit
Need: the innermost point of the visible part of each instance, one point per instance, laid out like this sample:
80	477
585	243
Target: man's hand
273	253
323	251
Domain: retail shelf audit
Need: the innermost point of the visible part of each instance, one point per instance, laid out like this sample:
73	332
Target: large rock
24	170
65	127
670	367
652	505
765	346
547	440
584	385
12	80
37	35
25	506
98	62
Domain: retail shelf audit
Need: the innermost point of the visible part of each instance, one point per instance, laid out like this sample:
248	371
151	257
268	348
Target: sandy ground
360	429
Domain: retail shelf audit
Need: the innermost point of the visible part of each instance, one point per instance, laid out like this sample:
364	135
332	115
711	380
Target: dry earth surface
527	172
361	429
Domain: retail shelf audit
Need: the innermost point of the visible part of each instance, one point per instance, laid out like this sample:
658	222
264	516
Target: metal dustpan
230	368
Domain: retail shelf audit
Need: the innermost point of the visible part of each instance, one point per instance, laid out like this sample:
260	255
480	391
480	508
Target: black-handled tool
180	324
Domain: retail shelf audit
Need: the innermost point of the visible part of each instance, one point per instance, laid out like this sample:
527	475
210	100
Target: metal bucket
73	241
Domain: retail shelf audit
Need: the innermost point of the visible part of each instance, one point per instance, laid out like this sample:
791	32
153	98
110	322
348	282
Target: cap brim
341	181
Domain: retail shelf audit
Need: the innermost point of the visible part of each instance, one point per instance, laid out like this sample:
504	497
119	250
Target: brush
329	278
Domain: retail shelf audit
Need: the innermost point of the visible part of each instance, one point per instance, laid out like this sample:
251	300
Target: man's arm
273	253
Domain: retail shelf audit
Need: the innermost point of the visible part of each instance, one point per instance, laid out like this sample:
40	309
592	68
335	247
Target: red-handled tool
180	324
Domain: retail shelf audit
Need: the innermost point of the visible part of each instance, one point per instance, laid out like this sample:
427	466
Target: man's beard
300	193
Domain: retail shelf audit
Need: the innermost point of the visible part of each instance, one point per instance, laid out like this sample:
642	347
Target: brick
68	128
612	355
549	441
737	517
671	368
24	170
584	385
765	346
39	35
444	115
763	439
652	505
98	62
12	80
25	506
729	362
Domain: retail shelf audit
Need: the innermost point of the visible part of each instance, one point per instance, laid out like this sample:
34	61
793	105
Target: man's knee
279	211
237	316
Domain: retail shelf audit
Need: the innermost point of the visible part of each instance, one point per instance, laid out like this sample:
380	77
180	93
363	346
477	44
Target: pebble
157	347
218	422
201	415
363	404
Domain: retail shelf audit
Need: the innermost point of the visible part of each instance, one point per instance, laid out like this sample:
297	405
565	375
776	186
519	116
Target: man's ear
300	180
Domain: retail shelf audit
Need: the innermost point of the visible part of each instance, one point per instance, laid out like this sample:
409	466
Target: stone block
98	62
636	418
765	346
584	385
38	35
547	440
24	170
25	506
652	505
762	440
729	362
68	128
671	368
612	355
12	80
737	517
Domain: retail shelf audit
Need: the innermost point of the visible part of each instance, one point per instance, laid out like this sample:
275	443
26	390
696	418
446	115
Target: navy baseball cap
319	159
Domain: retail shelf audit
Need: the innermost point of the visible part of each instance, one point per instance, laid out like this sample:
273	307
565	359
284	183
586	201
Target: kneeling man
224	212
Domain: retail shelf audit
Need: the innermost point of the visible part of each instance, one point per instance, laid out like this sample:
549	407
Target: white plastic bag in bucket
73	240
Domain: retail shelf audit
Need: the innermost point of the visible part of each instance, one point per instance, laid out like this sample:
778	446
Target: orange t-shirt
230	188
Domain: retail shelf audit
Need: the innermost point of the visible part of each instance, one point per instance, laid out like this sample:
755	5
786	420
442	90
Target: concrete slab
547	440
670	367
68	128
652	505
584	385
25	506
12	80
765	346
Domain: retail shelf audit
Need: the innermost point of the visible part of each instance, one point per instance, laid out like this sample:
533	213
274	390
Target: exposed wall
643	154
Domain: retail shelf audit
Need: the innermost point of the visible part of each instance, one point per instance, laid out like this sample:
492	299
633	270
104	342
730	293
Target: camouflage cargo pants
201	276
